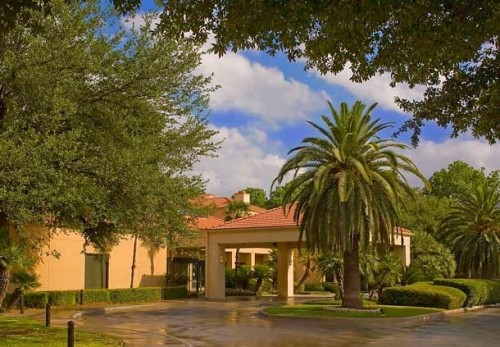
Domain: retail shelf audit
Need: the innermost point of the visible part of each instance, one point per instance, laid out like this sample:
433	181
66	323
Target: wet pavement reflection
240	323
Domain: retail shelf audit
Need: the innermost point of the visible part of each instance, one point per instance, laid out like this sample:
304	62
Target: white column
252	258
285	271
214	270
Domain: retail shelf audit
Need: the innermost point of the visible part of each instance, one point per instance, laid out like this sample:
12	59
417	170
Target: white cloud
246	159
258	90
430	156
376	89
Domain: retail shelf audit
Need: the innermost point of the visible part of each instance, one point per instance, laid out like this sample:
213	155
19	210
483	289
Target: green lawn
319	311
366	302
22	332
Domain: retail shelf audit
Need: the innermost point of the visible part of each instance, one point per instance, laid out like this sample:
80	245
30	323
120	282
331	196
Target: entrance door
96	271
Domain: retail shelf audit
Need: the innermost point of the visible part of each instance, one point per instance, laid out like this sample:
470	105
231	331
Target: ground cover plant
320	311
21	332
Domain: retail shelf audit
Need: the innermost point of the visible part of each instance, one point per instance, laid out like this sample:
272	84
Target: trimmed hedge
314	287
36	299
93	296
120	296
64	297
478	291
423	295
175	292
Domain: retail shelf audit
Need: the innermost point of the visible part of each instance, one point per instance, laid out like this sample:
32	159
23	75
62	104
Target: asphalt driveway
240	323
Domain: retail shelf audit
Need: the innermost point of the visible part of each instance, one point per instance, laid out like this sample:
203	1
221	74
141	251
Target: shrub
314	287
424	295
176	280
175	292
252	284
135	295
332	287
229	276
299	289
36	299
478	291
238	292
243	276
64	297
92	296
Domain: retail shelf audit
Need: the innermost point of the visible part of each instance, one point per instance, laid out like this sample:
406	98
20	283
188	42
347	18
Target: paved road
200	323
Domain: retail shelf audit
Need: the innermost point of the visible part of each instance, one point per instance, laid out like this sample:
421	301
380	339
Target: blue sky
263	102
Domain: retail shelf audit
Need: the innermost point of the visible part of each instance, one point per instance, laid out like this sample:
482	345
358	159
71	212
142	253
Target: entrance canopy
270	229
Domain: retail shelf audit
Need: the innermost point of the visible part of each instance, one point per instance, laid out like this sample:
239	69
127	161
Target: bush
229	276
238	292
172	280
64	297
175	292
300	289
135	295
478	291
92	296
423	295
314	287
36	299
332	287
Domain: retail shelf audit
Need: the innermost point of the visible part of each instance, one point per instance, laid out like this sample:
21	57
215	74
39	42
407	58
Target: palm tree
472	231
10	255
347	188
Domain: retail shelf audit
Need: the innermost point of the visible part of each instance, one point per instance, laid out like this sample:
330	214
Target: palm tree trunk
4	282
132	268
352	284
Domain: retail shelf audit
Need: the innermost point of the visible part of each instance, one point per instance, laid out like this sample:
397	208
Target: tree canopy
257	196
451	48
459	179
99	128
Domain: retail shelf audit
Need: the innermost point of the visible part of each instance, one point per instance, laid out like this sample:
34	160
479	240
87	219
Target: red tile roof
207	222
274	218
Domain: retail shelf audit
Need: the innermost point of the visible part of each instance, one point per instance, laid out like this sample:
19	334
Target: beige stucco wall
67	272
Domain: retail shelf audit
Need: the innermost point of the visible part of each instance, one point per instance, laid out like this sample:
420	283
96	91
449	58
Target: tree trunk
4	282
132	268
152	264
306	274
258	285
352	285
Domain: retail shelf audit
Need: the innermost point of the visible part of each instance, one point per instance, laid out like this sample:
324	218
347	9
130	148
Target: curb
108	310
423	318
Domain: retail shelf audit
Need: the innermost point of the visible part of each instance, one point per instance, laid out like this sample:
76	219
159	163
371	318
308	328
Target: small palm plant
261	273
10	255
25	280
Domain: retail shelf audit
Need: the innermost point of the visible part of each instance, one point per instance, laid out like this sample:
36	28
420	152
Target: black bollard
71	334
22	303
81	297
47	315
